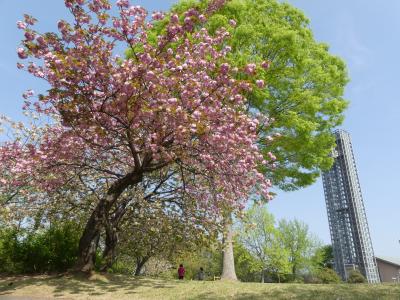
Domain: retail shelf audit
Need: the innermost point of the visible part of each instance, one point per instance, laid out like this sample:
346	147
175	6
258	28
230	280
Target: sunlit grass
123	287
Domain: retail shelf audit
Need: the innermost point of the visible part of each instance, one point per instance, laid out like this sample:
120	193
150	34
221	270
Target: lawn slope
123	287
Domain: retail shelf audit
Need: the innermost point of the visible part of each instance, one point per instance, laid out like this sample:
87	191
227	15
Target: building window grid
343	176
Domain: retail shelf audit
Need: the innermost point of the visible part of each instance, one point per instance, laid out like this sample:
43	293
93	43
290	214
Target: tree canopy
212	100
170	120
262	238
304	84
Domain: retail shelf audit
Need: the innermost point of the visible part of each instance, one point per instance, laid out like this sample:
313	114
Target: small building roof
390	260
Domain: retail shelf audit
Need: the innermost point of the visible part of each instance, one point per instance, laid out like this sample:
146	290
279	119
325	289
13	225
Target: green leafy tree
247	266
321	266
279	263
323	257
299	243
263	241
304	83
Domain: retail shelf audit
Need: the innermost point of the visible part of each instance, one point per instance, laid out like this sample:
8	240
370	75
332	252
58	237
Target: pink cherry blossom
265	64
250	69
22	53
29	36
173	106
28	93
174	18
157	15
21	25
123	3
260	83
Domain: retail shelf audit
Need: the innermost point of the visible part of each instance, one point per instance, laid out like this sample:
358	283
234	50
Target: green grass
123	287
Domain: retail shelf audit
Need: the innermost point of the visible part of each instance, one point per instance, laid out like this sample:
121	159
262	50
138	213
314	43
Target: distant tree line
264	250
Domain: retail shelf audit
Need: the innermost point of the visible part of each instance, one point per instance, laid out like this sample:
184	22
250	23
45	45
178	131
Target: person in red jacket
181	272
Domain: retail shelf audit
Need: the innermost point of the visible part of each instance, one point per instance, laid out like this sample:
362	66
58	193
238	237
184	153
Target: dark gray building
351	241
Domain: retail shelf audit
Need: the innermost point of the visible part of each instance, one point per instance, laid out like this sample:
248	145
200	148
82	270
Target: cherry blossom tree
174	106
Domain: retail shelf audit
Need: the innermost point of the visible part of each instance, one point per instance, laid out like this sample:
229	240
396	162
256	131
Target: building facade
389	269
351	241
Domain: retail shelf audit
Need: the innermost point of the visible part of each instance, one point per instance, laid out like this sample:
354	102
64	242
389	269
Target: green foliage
210	259
282	252
356	277
46	250
124	264
152	230
323	257
285	253
300	245
326	275
9	251
305	84
217	21
246	265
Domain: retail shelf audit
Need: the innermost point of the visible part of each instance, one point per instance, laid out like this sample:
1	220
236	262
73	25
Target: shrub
356	277
312	279
10	251
123	265
327	275
53	249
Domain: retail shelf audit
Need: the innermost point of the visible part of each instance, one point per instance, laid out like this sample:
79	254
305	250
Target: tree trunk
228	267
262	276
87	259
110	246
139	265
91	234
89	241
111	230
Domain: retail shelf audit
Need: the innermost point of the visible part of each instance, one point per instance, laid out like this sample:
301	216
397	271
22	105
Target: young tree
296	239
247	266
260	236
174	106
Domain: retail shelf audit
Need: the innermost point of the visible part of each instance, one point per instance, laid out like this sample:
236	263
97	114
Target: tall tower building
351	241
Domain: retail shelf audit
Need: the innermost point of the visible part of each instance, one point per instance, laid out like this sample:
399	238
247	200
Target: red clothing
181	272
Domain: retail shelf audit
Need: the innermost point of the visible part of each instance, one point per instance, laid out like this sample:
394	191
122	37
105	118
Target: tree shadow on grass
80	284
307	292
67	286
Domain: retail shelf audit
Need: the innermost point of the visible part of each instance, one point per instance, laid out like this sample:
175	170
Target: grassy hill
123	287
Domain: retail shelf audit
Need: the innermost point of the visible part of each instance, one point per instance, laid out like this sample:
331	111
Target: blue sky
365	33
